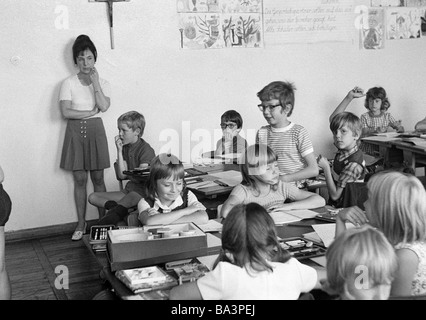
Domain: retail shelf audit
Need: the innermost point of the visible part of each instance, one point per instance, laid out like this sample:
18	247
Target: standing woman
5	208
83	98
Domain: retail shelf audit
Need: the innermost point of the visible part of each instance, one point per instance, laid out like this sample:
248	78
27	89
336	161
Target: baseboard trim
43	232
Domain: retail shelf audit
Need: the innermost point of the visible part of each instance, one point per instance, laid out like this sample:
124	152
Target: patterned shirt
352	170
372	122
291	144
418	286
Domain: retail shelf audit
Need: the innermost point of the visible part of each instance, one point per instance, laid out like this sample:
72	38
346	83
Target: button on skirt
85	146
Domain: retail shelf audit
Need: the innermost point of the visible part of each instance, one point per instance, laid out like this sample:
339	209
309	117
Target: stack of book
146	279
188	270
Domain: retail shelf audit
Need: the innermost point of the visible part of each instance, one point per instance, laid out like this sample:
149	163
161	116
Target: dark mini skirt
85	146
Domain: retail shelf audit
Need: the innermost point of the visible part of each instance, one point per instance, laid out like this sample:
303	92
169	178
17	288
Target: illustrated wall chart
226	24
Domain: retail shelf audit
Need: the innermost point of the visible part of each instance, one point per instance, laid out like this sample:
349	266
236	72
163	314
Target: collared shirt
351	171
144	206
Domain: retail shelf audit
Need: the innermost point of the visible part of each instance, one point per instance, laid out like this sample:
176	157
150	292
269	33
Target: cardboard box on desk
132	248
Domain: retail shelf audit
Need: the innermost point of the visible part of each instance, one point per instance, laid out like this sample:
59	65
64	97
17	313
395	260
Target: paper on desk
391	134
208	261
203	184
327	232
319	260
230	177
282	216
211	226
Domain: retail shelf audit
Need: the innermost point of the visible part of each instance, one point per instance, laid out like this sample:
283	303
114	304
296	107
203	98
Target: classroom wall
180	92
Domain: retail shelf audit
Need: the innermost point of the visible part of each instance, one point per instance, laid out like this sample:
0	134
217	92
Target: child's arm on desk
194	213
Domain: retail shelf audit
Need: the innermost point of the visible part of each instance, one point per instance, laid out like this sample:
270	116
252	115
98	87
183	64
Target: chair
120	181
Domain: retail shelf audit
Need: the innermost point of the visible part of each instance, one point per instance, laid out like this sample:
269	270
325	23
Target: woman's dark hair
249	236
82	43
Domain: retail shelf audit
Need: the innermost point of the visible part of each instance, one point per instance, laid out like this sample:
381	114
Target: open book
282	216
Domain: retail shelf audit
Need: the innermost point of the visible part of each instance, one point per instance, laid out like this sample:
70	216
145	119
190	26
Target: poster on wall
415	3
308	21
387	3
372	34
213	24
403	23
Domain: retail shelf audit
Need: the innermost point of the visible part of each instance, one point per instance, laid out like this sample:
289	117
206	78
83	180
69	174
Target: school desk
392	156
414	156
284	231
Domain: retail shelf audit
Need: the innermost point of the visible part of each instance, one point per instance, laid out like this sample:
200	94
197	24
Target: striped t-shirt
291	144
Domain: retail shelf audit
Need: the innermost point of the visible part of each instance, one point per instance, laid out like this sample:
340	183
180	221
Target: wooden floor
31	266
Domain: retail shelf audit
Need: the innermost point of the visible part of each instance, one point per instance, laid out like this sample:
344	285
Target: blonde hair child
261	184
361	264
396	205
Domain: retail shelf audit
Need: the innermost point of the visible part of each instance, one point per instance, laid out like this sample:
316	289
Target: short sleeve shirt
82	97
291	144
230	282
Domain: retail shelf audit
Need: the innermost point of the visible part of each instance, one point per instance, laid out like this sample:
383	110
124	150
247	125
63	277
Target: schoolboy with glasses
290	141
231	142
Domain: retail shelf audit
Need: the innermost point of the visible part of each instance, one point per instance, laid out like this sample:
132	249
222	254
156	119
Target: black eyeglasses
229	125
270	108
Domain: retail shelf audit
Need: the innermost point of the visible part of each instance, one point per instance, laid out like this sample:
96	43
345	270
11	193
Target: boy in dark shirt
348	165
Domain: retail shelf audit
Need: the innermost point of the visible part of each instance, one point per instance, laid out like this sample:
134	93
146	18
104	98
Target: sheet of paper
211	226
313	236
213	241
319	260
327	232
388	134
230	177
281	217
203	184
208	261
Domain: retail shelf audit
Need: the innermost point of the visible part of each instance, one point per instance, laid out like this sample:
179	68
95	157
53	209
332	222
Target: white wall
149	73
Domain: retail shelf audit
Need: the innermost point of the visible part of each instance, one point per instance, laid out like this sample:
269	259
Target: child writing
5	209
361	264
377	119
396	205
167	199
348	164
289	141
262	184
252	264
133	152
